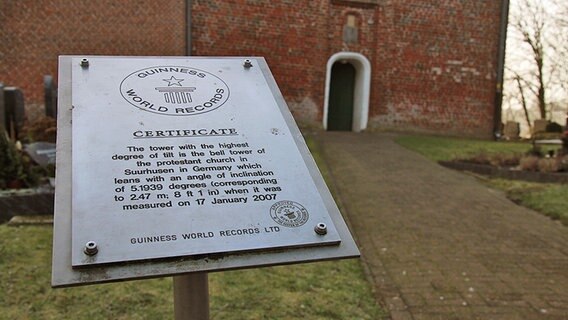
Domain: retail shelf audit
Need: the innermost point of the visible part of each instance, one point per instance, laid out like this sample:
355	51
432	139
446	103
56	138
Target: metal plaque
185	156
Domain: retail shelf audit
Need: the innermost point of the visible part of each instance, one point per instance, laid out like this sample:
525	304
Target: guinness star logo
173	81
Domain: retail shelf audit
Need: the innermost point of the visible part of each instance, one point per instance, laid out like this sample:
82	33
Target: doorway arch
361	88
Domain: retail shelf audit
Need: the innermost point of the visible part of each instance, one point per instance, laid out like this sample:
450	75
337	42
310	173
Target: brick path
440	245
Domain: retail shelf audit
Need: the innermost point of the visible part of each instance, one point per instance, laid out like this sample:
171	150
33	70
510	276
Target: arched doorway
347	72
341	93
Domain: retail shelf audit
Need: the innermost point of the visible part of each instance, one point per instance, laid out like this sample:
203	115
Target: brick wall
289	34
433	61
437	65
33	33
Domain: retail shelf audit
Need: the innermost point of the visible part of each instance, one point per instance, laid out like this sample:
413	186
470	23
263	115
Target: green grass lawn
443	148
322	290
549	199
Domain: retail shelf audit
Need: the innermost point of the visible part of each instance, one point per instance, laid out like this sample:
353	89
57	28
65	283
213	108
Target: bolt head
321	229
84	63
247	63
91	248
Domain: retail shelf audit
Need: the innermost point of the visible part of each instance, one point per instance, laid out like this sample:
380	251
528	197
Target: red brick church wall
433	61
291	35
34	33
436	66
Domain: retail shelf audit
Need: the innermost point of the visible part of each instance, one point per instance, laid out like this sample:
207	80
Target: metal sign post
191	296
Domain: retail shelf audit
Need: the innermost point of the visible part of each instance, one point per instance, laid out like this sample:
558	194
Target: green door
341	91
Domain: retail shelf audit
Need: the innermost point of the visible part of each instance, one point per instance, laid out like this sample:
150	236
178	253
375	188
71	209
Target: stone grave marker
15	111
50	96
3	118
540	125
43	153
512	130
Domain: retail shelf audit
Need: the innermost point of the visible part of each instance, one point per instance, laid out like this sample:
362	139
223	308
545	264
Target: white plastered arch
362	88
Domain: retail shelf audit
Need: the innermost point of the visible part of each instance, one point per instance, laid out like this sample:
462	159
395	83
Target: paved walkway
440	245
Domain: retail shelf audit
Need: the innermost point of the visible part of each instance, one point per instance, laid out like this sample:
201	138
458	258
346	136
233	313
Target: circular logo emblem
289	213
174	90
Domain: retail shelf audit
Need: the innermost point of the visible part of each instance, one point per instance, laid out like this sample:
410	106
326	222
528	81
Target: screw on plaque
321	228
91	248
247	64
84	63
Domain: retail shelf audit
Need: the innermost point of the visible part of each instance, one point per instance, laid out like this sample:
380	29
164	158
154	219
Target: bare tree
523	100
536	65
562	23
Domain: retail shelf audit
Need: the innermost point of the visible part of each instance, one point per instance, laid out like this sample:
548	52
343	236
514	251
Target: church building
428	66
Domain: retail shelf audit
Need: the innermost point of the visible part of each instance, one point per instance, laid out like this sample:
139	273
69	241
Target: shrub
11	167
564	163
17	170
40	129
479	158
505	159
549	164
529	163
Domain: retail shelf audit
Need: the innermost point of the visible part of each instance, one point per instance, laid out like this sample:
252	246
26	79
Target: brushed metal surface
159	174
276	133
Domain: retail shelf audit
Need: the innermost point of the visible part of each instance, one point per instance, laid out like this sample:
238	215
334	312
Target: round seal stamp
289	213
174	90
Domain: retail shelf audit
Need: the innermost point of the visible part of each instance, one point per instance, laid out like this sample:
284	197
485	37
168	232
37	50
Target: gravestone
512	130
43	153
554	127
2	110
540	125
50	95
15	111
